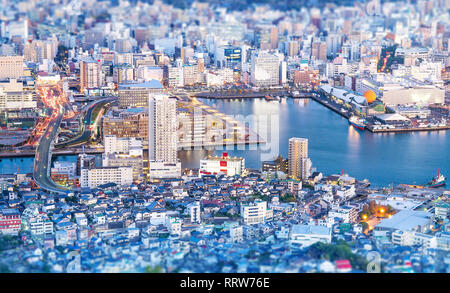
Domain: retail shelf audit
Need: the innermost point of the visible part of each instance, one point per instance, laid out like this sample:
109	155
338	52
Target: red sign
223	163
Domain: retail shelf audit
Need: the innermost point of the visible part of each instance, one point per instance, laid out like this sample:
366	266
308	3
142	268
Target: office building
11	67
131	122
255	212
228	165
124	152
279	164
319	51
136	94
96	176
265	69
229	57
14	97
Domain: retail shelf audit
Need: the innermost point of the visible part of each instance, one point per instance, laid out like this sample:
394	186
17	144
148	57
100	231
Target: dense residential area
224	224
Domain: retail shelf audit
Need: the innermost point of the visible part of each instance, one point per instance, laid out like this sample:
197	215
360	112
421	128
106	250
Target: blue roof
155	84
136	110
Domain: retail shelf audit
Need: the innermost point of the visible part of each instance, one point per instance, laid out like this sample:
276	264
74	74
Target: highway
88	126
42	160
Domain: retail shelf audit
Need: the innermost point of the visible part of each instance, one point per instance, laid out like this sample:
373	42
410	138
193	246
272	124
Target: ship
357	122
437	181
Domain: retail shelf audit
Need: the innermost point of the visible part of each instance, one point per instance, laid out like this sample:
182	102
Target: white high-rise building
265	69
123	145
162	134
124	152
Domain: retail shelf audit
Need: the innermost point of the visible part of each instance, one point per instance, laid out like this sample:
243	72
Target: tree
333	252
154	270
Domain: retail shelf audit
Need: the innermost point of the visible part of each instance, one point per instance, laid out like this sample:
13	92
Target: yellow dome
370	96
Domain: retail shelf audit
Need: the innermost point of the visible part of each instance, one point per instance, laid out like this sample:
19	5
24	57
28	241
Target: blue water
25	165
334	145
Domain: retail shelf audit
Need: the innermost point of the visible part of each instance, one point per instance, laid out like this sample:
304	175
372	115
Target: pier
431	128
254	94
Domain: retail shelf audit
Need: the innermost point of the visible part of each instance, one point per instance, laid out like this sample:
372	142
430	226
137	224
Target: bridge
43	157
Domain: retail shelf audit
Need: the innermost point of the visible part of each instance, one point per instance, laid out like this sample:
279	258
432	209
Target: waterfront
334	145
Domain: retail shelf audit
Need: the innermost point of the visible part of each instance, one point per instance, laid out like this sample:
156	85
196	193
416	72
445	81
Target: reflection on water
334	145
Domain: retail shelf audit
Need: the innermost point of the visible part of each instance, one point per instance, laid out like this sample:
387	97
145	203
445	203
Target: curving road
87	129
42	160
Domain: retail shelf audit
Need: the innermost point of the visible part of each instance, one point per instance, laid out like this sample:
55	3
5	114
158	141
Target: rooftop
310	229
154	84
405	220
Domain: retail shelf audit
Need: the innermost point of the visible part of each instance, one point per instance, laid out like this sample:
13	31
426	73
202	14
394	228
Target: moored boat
357	122
437	181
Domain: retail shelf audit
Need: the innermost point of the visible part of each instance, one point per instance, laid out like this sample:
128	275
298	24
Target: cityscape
188	136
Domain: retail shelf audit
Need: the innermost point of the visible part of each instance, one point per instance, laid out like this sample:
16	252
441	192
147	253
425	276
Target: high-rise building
163	140
319	51
175	76
299	162
229	57
274	37
11	66
124	152
14	97
127	123
136	94
266	37
90	73
191	74
265	69
334	43
293	48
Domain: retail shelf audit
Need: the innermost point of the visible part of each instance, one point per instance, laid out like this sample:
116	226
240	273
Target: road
88	126
42	160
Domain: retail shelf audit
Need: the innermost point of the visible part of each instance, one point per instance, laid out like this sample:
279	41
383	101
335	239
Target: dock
331	106
432	128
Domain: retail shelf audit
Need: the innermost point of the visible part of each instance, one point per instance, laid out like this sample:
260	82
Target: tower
162	134
299	162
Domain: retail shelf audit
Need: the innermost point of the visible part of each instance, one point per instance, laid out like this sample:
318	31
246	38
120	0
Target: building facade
163	140
299	162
